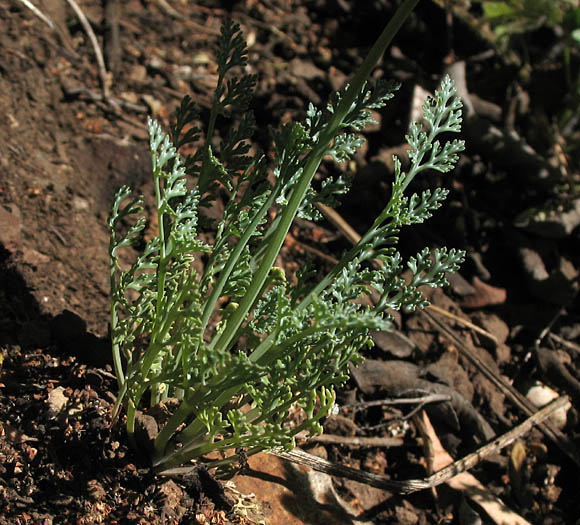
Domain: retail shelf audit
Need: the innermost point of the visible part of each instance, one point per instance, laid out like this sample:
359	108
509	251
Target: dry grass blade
97	49
39	14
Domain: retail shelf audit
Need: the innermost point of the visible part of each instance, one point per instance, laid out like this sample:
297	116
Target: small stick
547	328
431	398
91	34
357	441
169	10
419	401
566	344
441	476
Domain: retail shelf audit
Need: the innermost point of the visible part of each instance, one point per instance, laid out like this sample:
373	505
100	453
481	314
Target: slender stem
131	412
176	419
233	260
312	163
117	361
156	339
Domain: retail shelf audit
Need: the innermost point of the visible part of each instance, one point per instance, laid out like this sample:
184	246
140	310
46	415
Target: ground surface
64	152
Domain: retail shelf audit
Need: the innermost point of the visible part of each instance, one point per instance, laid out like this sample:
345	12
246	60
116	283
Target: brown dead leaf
485	295
464	482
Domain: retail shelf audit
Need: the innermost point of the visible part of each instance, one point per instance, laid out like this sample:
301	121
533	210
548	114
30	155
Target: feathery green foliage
251	358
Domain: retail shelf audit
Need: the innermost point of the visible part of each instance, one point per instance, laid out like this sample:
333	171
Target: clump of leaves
509	17
278	349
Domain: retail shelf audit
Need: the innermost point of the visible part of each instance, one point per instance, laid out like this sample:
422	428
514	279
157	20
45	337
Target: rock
552	224
340	426
420	332
154	104
170	493
56	402
405	516
138	73
447	370
146	431
499	329
336	78
392	378
493	324
540	395
34	258
394	343
305	69
419	97
480	268
559	286
80	204
555	372
459	285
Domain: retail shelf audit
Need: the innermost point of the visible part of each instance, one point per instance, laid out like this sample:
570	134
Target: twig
357	441
566	344
430	398
91	34
84	93
111	44
521	402
441	476
547	328
438	458
59	235
39	14
419	401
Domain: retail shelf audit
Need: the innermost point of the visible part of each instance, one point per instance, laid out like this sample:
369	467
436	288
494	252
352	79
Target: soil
64	151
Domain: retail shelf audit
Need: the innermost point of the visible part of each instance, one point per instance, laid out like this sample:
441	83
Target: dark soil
64	152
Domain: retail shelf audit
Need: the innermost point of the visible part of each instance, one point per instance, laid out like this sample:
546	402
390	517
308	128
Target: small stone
34	258
146	430
80	204
551	224
405	516
170	493
304	69
154	104
540	395
56	402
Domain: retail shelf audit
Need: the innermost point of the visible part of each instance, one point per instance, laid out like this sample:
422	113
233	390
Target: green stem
117	360
203	181
233	259
176	419
313	161
131	412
